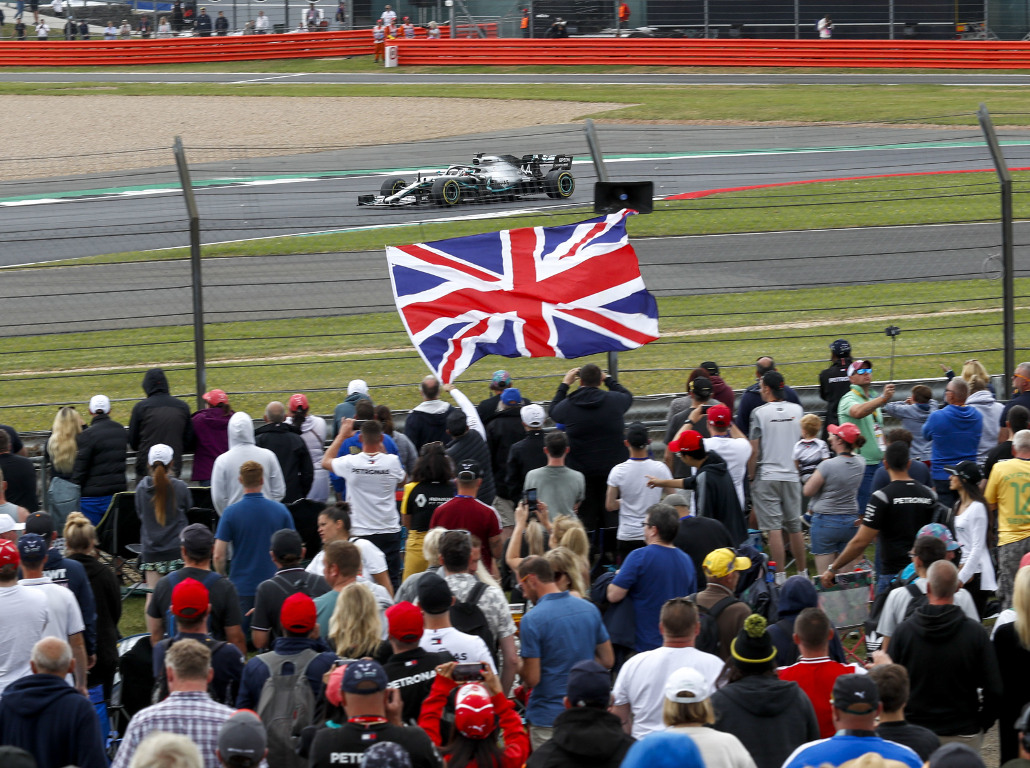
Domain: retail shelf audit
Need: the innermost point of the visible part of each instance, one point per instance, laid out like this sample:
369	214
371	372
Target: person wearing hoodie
210	433
427	421
956	684
289	448
46	717
771	717
159	418
313	431
226	488
586	734
357	389
982	399
797	594
594	421
955	431
913	414
99	468
503	430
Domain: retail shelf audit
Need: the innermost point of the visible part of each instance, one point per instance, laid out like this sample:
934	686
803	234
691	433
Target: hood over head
155	382
241	430
796	594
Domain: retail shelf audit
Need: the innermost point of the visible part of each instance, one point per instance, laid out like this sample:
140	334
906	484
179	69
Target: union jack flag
565	291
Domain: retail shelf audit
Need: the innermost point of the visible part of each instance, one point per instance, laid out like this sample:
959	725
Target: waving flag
565	291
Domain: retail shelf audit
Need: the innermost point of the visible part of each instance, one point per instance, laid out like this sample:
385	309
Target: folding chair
847	605
118	534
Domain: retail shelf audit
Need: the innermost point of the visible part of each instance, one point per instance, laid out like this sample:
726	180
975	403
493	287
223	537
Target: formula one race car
490	177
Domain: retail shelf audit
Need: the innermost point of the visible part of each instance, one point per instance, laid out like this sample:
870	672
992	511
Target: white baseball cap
533	415
357	385
686	686
160	453
99	404
7	524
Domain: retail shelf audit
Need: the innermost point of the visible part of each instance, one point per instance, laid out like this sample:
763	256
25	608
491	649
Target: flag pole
602	176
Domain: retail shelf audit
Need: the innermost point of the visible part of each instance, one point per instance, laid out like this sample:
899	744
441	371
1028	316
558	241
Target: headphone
1023	726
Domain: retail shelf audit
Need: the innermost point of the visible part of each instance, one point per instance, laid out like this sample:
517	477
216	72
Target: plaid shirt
190	713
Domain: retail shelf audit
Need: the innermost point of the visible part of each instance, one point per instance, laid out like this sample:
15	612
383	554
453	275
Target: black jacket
100	462
587	738
751	398
834	383
159	418
717	497
20	475
108	597
412	673
502	432
472	446
948	657
594	423
294	459
526	454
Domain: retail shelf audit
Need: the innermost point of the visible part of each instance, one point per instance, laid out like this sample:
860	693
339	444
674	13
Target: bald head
275	412
942	582
52	656
430	388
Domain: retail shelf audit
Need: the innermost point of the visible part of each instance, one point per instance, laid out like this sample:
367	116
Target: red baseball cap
9	553
299	402
298	614
189	599
847	432
719	415
216	397
688	440
405	620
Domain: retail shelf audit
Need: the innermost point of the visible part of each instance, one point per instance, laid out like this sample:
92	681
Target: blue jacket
256	671
955	432
47	717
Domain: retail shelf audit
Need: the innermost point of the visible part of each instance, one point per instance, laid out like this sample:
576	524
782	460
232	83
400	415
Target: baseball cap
855	694
533	415
469	471
197	539
968	471
511	396
32	547
955	755
589	685
359	386
405	621
938	531
711	367
701	386
676	500
299	402
190	598
688	441
847	432
298	614
216	397
9	554
160	454
243	735
434	596
99	404
364	676
723	562
841	347
7	524
636	435
686	686
386	754
501	377
286	542
474	715
719	415
859	365
41	523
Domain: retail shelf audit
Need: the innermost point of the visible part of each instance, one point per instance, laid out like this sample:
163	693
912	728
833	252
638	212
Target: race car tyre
445	192
393	185
559	184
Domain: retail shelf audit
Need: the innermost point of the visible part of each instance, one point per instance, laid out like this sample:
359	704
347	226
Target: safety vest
624	12
525	22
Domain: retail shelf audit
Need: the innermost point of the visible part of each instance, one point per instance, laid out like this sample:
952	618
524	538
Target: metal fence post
602	175
197	280
797	19
1007	256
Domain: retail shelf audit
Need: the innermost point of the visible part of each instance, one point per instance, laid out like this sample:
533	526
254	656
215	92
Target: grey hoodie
225	475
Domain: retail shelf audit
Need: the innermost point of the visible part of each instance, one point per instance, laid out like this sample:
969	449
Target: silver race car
489	178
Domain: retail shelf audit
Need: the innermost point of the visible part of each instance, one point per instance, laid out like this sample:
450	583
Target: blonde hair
564	561
975	375
697	713
568	531
1021	604
431	545
810	425
162	487
61	444
355	628
189	659
79	533
161	749
534	538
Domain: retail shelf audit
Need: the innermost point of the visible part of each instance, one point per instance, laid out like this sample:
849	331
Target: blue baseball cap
511	396
364	676
32	547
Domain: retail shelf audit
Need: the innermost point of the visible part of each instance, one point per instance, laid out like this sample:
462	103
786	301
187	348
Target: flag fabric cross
566	291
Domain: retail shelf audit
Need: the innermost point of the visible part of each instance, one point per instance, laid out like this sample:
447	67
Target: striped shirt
190	713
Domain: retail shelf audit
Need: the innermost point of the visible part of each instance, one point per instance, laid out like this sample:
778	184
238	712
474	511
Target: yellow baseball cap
722	562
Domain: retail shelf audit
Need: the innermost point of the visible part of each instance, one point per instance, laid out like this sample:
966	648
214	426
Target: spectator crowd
480	588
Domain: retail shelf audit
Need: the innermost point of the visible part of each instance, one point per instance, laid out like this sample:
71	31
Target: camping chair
118	534
847	605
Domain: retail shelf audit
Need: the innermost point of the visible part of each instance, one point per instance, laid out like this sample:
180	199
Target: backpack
160	692
286	706
708	636
763	596
304	585
468	617
918	600
173	579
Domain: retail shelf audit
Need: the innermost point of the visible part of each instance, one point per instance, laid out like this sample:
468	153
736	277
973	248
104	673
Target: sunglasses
864	370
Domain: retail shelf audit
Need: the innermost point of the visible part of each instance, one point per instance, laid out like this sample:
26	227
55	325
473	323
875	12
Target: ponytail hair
162	488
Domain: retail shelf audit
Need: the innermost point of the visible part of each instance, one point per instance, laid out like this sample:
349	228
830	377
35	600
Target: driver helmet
474	712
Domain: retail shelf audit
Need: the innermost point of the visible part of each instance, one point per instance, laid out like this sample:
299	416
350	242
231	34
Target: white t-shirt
373	560
897	603
630	478
18	637
65	615
641	682
735	451
718	749
466	649
371	485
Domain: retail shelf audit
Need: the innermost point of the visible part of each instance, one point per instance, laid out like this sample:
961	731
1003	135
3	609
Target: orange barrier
929	54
